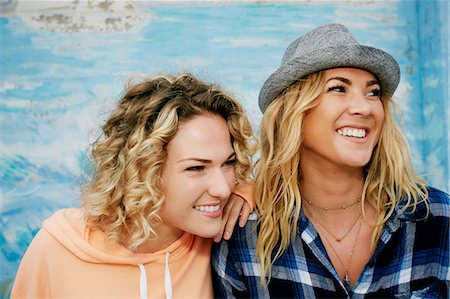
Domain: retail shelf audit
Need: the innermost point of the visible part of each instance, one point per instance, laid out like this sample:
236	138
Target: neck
331	186
163	238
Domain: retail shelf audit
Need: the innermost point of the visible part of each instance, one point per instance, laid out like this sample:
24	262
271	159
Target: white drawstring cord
143	282
168	278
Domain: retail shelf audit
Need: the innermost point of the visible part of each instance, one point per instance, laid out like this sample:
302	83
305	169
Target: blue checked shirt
411	260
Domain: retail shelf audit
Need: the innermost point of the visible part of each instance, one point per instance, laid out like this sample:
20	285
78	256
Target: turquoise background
57	88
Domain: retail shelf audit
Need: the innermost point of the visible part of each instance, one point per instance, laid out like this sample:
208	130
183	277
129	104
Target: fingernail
226	235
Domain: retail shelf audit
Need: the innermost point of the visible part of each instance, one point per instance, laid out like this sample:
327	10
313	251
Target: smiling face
198	177
345	127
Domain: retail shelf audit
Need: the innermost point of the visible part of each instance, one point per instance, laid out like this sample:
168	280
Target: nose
360	105
220	184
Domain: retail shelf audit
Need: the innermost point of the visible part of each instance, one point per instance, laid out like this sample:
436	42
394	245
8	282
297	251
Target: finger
233	217
218	237
225	215
245	213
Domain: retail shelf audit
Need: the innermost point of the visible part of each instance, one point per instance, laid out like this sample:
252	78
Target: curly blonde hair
125	197
390	175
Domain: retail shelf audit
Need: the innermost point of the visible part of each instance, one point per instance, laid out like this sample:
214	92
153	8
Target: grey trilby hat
328	46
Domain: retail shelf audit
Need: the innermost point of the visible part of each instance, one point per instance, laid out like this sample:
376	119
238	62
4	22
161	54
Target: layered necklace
346	279
343	207
337	238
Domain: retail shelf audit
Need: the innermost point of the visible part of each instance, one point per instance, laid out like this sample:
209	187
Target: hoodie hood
68	227
67	258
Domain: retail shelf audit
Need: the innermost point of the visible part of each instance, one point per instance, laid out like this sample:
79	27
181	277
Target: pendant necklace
346	279
338	239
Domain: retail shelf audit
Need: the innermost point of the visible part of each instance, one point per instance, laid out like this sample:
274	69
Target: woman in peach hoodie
172	153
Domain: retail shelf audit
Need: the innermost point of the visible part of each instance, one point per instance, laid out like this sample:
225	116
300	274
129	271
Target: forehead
348	72
205	136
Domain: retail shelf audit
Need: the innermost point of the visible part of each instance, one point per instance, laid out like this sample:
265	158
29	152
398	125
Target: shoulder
234	260
44	242
436	205
245	236
438	220
65	222
67	215
32	274
439	202
431	229
41	247
242	242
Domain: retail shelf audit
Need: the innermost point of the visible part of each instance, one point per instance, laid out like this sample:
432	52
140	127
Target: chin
206	235
354	164
207	231
356	161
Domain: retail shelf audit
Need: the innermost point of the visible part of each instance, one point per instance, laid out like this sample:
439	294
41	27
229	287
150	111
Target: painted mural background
64	63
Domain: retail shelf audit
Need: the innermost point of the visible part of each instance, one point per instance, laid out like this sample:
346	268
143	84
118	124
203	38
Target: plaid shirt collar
307	232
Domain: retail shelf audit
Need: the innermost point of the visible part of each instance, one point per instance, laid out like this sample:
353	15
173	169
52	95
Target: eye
196	168
230	162
374	93
337	88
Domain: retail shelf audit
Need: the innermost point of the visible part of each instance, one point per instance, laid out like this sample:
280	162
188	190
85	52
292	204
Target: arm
240	204
245	191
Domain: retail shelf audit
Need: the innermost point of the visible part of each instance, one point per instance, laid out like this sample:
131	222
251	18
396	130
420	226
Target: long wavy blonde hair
125	197
390	175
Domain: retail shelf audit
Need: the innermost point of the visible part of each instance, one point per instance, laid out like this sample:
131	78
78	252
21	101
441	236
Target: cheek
379	120
379	115
230	177
174	189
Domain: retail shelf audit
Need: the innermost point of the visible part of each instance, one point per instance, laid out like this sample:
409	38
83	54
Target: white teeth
208	209
359	133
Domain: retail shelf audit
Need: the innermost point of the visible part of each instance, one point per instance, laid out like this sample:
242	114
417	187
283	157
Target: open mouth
352	132
208	209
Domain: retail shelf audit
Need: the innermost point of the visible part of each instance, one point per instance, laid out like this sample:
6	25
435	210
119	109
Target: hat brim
374	60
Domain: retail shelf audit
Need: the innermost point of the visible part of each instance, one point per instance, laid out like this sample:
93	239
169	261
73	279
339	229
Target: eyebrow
348	82
205	161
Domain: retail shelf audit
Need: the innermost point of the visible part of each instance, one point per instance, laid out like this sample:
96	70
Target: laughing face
198	177
345	127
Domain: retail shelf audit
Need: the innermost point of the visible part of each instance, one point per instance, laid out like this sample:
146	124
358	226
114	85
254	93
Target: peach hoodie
66	259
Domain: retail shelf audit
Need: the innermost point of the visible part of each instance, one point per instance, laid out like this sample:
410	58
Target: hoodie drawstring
143	282
167	280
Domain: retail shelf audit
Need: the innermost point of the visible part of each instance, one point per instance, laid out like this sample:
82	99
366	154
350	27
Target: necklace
333	208
346	279
338	239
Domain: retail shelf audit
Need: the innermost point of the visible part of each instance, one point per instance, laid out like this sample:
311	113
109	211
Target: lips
211	211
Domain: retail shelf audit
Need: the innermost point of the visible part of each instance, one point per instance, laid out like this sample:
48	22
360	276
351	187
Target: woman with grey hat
341	210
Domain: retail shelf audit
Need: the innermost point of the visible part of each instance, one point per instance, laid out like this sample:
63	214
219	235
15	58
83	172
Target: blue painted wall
60	77
433	72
